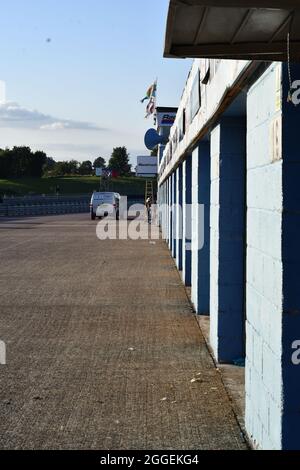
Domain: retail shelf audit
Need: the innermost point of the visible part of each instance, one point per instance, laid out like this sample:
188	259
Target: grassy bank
70	185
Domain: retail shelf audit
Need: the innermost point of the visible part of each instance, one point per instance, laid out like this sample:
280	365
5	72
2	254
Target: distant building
146	166
165	117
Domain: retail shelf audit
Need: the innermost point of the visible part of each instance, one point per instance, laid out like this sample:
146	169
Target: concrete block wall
264	263
168	227
204	253
174	214
159	204
162	210
170	204
179	217
214	236
227	240
273	267
186	215
200	227
195	227
166	211
254	254
162	201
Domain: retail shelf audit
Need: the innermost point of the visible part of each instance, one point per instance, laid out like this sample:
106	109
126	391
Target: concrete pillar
166	210
273	264
201	228
174	214
162	209
170	218
163	202
159	203
187	220
227	265
179	218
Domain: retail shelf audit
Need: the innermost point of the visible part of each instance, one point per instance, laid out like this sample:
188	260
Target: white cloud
12	115
55	126
81	148
65	125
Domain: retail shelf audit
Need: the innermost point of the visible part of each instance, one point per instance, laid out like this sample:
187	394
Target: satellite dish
152	139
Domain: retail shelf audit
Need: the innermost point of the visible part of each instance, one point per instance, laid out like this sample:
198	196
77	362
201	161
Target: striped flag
151	97
150	108
151	92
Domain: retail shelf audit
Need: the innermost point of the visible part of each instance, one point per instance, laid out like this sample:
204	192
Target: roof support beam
233	50
274	4
201	25
242	25
283	26
170	23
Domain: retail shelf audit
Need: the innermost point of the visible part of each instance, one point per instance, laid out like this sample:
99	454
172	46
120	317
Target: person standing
148	207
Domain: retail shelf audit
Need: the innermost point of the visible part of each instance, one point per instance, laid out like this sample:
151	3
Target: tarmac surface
103	349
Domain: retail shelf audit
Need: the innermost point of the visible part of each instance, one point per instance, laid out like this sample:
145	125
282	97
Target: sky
75	72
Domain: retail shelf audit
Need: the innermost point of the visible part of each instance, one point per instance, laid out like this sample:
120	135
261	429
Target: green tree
85	168
49	166
5	164
20	162
99	163
73	166
60	169
37	162
119	161
66	168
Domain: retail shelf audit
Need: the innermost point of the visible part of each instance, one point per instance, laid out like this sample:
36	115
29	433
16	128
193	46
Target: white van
105	205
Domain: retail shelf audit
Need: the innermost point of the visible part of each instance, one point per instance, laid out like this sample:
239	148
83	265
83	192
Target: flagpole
156	100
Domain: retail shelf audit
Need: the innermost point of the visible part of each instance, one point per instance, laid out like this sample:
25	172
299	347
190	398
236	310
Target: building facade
230	211
146	166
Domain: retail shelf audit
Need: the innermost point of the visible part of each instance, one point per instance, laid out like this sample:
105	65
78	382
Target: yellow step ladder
149	192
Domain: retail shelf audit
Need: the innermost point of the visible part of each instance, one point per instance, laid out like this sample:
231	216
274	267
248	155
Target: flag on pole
151	97
150	108
151	92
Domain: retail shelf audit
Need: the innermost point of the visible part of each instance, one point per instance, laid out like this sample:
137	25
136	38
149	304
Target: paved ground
102	346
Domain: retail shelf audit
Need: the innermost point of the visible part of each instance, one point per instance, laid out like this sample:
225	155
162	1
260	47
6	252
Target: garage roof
233	29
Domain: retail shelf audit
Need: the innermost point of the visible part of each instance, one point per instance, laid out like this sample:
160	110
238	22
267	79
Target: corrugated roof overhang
233	29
